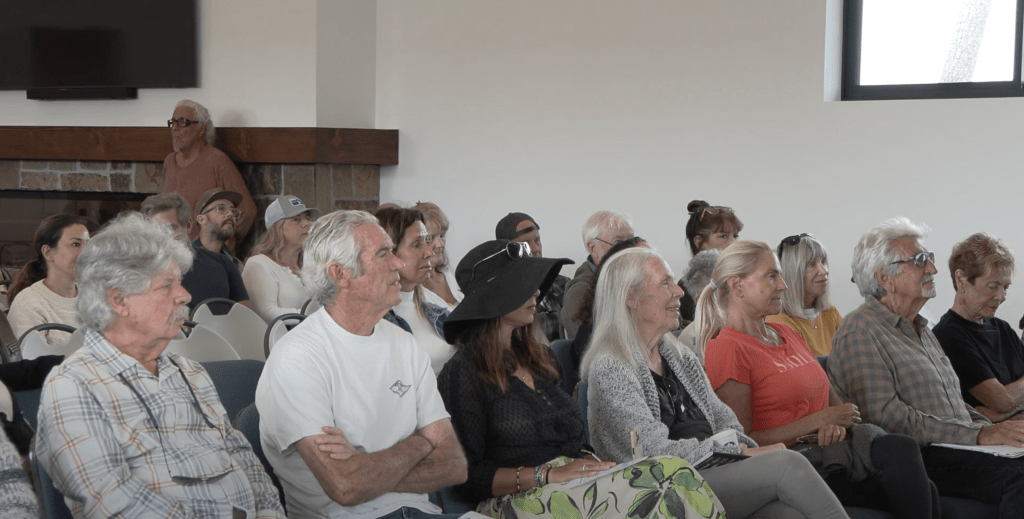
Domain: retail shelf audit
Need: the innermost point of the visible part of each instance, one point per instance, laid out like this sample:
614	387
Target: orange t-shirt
786	382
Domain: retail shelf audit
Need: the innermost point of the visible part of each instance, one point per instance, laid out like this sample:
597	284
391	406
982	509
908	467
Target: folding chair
241	327
32	343
203	345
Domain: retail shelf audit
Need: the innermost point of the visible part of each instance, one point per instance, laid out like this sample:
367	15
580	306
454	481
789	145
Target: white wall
257	67
346	63
562	108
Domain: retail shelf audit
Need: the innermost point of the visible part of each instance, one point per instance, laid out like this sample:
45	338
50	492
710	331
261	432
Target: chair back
310	306
248	422
32	343
278	328
203	345
8	340
235	381
241	327
581	401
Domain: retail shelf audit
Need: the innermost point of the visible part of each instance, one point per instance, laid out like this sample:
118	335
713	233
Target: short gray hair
165	202
124	256
602	220
332	239
793	260
875	251
698	272
615	333
203	115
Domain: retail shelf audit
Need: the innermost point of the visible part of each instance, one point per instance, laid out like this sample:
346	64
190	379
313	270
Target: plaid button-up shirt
119	441
901	381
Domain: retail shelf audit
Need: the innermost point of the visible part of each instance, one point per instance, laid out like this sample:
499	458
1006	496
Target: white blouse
273	288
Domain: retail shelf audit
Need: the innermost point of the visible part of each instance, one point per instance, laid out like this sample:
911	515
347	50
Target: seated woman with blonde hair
441	286
644	384
806	305
780	392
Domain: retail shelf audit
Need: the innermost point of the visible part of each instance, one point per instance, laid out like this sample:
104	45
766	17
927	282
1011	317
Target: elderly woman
806	306
441	286
271	274
984	350
697	276
644	384
780	393
710	227
524	436
407	229
45	290
126	429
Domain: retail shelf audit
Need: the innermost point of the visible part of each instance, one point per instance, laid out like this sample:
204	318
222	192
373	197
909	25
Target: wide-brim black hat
494	284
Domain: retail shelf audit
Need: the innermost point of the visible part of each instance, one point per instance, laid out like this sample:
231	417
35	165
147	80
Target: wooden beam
247	145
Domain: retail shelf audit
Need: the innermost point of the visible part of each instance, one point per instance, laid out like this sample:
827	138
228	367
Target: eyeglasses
920	259
610	243
793	240
223	209
515	250
180	122
714	209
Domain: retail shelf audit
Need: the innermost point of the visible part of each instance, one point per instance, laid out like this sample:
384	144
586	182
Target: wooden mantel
248	145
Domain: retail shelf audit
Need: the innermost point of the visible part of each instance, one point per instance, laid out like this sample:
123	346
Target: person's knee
895	449
791	465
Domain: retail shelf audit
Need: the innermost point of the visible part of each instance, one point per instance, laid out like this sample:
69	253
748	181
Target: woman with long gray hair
806	305
645	387
780	392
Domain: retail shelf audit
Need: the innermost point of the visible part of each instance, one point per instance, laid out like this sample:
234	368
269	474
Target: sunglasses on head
792	240
515	250
920	259
714	209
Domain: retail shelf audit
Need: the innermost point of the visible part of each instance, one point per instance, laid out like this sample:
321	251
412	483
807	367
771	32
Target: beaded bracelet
538	471
518	490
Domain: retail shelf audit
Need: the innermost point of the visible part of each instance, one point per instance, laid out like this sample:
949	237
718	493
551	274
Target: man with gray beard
216	271
125	428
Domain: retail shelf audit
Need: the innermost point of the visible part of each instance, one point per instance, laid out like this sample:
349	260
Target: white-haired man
885	360
347	372
602	231
196	167
125	429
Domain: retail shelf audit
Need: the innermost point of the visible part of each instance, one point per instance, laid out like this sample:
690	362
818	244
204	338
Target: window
931	49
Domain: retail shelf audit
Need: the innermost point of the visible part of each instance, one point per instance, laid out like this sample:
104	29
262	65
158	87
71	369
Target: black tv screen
97	43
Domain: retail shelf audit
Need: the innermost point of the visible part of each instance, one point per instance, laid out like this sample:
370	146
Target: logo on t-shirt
399	388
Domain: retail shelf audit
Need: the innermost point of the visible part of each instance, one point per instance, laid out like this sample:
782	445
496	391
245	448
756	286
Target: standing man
521	227
215	272
125	429
196	166
390	439
602	230
887	362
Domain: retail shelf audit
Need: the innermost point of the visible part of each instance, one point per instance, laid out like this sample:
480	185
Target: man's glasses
515	250
180	122
920	259
714	209
223	209
610	243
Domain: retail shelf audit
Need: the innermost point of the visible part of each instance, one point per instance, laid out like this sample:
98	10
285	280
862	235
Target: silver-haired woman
807	306
642	379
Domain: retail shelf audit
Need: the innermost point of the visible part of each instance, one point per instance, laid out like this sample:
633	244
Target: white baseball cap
287	206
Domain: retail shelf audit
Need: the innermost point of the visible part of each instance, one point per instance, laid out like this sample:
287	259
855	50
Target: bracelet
547	474
518	490
538	471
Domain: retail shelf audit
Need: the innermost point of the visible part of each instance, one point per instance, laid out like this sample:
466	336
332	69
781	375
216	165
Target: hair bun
696	205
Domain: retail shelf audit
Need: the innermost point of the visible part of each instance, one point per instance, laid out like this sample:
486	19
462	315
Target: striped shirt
901	381
119	441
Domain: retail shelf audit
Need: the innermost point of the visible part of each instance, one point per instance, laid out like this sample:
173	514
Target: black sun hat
497	277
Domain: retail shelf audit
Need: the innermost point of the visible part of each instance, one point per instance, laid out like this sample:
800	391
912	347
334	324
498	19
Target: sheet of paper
583	481
1004	451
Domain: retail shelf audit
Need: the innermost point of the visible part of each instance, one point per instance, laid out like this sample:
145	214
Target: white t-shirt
378	390
426	337
273	289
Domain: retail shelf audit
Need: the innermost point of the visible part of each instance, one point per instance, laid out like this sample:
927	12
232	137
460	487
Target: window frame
852	90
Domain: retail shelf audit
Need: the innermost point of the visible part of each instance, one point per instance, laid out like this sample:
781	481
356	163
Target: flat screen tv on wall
75	49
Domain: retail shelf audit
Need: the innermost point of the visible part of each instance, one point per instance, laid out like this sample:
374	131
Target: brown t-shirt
212	168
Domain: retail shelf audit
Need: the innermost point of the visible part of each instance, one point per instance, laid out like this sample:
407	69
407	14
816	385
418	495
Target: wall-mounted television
77	49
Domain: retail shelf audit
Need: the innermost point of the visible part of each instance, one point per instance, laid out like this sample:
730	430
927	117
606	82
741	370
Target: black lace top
524	427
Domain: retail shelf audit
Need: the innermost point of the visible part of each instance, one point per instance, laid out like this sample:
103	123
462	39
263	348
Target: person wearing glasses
888	363
195	166
710	227
647	393
806	305
985	351
272	273
523	435
601	232
441	285
215	272
780	393
125	428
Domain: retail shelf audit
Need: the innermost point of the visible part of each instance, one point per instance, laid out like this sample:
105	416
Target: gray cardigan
620	397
